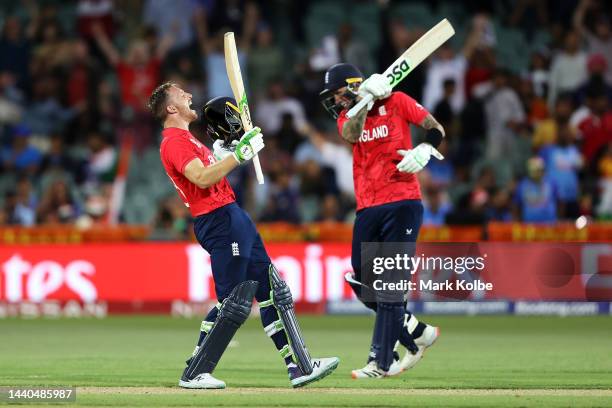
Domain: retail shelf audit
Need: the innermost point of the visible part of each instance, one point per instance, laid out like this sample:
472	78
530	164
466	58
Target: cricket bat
411	58
235	78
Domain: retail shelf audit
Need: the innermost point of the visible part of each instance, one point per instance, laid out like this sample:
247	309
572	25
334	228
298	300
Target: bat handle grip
258	172
360	105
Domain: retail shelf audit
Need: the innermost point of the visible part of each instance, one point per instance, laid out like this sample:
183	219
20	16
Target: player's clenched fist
376	85
416	159
249	145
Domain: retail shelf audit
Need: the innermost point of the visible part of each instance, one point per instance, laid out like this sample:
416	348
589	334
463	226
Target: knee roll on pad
234	310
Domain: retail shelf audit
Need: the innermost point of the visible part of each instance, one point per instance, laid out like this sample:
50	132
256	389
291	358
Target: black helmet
222	118
336	77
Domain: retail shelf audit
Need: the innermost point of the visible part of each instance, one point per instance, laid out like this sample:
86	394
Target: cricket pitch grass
478	361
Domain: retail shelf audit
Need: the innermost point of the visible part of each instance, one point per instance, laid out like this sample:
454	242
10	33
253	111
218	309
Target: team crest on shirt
382	111
195	142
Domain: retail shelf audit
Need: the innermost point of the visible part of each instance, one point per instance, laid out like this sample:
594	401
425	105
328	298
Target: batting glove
221	150
248	146
376	85
414	160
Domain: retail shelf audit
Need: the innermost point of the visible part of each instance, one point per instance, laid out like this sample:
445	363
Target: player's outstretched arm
352	128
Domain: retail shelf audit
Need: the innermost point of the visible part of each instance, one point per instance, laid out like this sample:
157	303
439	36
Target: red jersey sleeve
411	110
179	153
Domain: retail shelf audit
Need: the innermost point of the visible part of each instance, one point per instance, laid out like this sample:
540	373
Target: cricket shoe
371	370
396	366
202	381
427	339
322	367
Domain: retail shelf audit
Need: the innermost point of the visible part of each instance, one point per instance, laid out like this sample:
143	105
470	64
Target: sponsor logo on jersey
382	111
378	132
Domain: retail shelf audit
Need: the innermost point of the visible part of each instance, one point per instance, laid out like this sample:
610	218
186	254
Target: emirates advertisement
156	273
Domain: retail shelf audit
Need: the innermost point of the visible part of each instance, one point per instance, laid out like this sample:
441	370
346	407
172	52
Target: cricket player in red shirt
388	197
241	267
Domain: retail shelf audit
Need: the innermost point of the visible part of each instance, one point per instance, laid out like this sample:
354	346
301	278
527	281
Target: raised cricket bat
235	78
411	58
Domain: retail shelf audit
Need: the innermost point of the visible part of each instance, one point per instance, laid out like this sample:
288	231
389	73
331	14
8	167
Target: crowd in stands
529	143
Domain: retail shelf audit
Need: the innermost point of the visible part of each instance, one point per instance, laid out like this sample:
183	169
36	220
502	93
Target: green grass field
478	361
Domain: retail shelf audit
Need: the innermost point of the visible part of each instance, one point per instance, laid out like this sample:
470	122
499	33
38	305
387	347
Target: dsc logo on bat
398	72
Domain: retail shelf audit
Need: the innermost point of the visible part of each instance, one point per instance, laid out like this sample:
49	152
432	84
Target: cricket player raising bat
388	197
241	267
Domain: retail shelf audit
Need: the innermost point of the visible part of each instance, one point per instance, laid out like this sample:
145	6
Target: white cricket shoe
322	367
371	370
395	368
428	338
202	381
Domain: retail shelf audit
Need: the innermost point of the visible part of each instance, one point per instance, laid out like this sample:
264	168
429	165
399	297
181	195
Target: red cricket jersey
386	130
177	149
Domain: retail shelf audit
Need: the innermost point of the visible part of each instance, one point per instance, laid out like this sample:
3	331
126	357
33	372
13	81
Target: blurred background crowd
523	90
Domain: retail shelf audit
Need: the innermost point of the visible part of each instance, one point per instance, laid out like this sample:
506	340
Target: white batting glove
376	85
221	151
416	159
249	145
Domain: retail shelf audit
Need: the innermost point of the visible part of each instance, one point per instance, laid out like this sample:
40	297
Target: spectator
283	201
82	78
499	208
330	209
539	74
52	51
547	130
271	109
172	18
597	66
137	71
354	51
448	66
172	221
599	39
337	155
596	129
21	157
535	196
568	69
265	62
436	207
20	205
57	205
504	117
443	110
211	46
482	64
15	49
562	161
535	106
395	39
102	164
57	159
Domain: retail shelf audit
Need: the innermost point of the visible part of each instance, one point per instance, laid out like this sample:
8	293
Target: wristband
434	137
